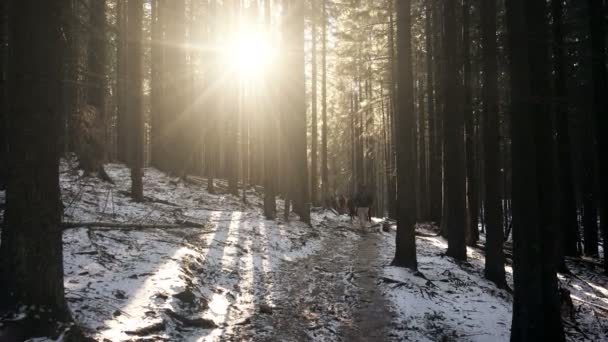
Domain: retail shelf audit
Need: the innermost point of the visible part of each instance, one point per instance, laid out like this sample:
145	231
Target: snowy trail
331	295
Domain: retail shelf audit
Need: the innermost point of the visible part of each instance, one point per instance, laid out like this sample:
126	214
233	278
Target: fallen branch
130	226
603	308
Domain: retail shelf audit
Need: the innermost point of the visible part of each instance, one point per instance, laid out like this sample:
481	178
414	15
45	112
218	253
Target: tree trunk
600	107
536	307
495	259
392	175
405	254
297	102
122	134
4	19
324	170
156	85
436	148
31	253
269	139
472	230
568	232
314	130
454	149
134	88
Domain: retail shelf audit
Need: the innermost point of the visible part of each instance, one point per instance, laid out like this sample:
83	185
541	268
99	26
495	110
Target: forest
303	170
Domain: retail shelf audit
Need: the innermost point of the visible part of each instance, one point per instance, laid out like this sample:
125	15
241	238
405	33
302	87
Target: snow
238	276
121	281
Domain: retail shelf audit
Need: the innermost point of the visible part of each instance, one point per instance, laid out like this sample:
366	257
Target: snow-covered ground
229	274
186	284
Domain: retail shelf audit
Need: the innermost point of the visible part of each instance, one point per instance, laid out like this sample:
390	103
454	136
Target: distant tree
405	254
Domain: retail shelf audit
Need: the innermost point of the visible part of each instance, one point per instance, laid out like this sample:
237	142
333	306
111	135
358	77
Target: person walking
363	202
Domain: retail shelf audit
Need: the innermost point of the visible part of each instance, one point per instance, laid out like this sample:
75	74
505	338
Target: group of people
357	206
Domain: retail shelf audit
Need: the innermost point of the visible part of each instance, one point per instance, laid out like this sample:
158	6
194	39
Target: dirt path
329	296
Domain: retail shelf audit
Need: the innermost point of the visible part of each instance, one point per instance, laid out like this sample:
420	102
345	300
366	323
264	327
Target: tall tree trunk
269	138
314	130
568	232
324	170
454	149
392	175
156	91
495	259
122	134
297	97
134	106
472	230
536	307
4	22
600	106
405	253
436	148
31	252
431	112
96	85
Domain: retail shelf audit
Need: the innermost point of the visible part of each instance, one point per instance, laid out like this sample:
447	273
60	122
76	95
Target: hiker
342	204
363	203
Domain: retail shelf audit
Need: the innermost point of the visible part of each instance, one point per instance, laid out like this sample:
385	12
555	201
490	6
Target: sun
250	54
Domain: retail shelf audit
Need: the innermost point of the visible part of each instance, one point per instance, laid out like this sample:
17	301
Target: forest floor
230	275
